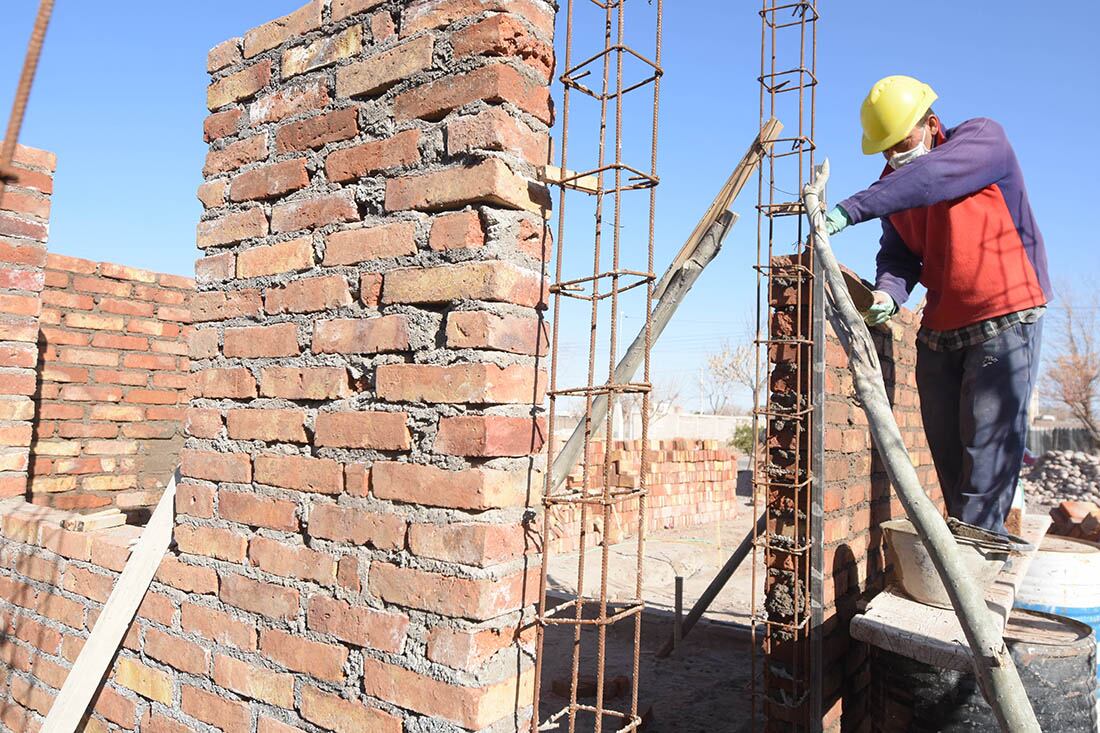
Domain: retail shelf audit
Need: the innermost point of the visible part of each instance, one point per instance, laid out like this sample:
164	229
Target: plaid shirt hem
976	333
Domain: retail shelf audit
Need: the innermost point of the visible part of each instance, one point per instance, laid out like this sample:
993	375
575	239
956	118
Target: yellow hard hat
891	110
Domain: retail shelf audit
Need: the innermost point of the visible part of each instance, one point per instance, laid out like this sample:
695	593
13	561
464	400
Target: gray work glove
881	310
836	220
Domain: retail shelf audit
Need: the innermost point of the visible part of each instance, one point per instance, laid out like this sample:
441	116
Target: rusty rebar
23	91
596	492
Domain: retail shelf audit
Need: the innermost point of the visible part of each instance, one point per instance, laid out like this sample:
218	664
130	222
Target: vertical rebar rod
23	91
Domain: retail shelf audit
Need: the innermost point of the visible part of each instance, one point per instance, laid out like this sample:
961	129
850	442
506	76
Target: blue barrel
1064	579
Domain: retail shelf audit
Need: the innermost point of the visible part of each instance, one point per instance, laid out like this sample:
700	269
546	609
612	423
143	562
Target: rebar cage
786	601
611	76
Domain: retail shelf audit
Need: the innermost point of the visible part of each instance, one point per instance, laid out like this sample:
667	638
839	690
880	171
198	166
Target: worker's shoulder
978	126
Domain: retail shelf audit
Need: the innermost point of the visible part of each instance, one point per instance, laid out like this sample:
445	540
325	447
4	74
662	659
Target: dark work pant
974	405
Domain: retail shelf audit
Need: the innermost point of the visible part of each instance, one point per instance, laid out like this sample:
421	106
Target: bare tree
730	369
1073	375
663	398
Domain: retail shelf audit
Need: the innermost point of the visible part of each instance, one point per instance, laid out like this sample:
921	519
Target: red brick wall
691	483
353	544
857	499
24	226
113	375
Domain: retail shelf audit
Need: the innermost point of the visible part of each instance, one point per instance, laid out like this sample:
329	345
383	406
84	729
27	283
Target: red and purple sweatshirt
957	220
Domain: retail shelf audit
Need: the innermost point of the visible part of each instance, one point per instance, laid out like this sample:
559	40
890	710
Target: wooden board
896	623
118	612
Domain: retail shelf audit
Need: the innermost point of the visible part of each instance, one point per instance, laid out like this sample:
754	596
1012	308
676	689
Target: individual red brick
18	226
319	211
152	722
428	14
230	467
289	101
370	430
504	35
218	305
269	181
345	8
489	281
383	70
194	500
276	259
496	129
488	182
473	489
350	164
277	32
323	661
460	383
300	473
239	85
254	682
273	426
215	542
382	26
215	268
232	228
468	543
361	335
365	627
233	382
345	716
146	681
308	383
357	526
253	342
224	54
316	132
489	435
467	649
484	330
266	599
217	626
308	296
461	230
114	707
494	83
479	599
257	511
474	708
236	154
217	710
184	655
323	51
289	561
270	725
370	289
353	246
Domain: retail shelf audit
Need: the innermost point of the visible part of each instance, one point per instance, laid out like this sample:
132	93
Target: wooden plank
896	623
729	191
94	659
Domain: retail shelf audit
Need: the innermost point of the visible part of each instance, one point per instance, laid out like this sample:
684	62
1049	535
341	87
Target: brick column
364	431
24	227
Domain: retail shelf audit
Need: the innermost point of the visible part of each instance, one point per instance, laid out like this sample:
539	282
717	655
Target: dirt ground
705	686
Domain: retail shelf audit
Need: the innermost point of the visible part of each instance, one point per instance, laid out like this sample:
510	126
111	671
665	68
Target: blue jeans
974	403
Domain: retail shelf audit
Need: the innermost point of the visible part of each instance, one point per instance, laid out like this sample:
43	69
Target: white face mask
897	160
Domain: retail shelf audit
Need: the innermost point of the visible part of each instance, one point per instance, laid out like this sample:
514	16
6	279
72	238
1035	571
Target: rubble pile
1080	519
1063	475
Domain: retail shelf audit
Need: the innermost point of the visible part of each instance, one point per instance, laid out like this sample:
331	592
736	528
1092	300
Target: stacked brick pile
24	227
1078	519
689	483
113	376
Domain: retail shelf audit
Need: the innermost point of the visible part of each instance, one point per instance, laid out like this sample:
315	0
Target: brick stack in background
24	227
113	378
691	483
1078	519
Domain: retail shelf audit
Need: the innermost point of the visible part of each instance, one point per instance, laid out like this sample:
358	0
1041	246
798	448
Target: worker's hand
836	220
881	310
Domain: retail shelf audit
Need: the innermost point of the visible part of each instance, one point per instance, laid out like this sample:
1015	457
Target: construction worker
956	218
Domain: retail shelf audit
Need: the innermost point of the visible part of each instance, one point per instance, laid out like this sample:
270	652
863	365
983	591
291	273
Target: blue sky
120	97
